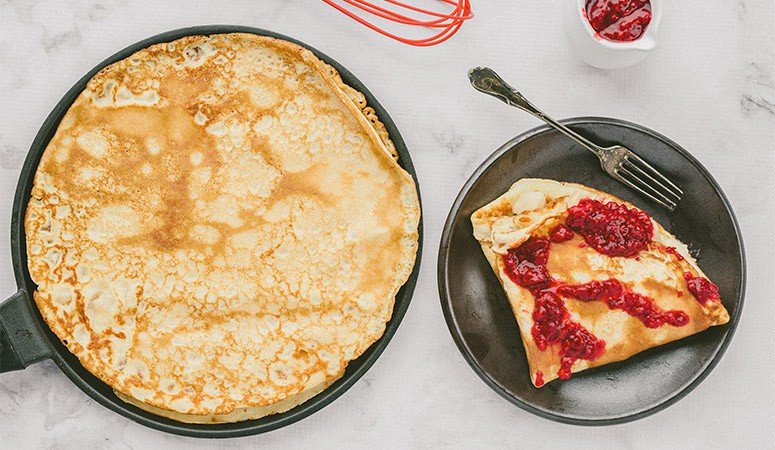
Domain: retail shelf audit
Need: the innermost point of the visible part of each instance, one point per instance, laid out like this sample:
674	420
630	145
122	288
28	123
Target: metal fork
617	161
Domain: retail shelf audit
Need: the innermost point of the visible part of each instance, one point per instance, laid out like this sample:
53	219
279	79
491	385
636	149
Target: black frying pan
25	338
483	325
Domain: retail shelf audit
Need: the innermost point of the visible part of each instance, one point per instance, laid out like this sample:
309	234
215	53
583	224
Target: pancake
590	278
218	226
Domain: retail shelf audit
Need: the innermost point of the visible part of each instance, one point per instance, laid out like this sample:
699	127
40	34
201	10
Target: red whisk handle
449	22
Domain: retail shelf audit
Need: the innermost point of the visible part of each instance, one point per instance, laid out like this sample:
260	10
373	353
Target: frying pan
26	339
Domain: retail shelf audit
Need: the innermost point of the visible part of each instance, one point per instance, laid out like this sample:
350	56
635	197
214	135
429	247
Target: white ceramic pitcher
600	52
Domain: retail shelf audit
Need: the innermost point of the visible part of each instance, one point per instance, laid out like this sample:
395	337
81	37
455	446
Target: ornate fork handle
617	161
486	80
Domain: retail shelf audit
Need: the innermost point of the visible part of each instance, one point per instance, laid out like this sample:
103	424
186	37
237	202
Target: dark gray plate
481	321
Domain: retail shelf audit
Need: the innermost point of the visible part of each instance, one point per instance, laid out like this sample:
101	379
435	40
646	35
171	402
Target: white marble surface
710	87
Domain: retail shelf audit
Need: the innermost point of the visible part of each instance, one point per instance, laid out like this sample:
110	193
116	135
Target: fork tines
636	173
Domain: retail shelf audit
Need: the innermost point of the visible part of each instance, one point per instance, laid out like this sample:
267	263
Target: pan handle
21	342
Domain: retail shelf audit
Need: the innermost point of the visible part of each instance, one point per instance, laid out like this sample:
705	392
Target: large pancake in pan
218	226
663	270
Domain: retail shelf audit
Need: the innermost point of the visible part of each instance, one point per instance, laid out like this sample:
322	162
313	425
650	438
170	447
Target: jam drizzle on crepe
617	296
614	230
702	288
611	228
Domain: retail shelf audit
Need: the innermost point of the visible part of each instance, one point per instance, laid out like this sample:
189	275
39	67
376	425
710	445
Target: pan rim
59	353
442	278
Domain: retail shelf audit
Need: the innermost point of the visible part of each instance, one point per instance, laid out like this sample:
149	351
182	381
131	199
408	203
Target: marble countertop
710	86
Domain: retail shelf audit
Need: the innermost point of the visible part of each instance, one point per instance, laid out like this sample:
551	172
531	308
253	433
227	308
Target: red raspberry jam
619	20
674	252
702	288
611	228
552	324
560	233
526	266
616	296
579	343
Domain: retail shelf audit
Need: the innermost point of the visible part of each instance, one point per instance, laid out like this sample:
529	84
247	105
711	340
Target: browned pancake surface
219	224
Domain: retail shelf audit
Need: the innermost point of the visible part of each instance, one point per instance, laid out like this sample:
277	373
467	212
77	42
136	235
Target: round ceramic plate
479	315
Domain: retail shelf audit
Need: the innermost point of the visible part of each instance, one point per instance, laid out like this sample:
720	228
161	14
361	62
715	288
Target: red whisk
448	22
